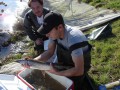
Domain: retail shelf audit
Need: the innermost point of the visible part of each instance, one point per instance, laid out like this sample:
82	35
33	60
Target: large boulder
11	68
4	44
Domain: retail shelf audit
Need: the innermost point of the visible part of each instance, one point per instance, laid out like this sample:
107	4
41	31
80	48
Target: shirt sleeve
76	37
77	52
28	28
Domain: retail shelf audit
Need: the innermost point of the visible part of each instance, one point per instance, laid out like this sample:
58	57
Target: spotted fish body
42	65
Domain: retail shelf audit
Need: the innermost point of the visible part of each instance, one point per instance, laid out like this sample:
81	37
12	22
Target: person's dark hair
40	1
56	27
51	20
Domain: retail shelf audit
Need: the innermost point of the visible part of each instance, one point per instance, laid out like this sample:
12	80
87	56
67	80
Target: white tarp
12	82
96	33
81	15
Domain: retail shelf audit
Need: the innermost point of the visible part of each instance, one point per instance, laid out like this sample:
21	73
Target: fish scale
42	65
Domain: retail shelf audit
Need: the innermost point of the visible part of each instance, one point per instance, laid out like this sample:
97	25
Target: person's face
54	34
37	8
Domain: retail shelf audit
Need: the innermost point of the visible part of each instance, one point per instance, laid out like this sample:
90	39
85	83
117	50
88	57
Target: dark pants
38	48
64	56
78	82
87	61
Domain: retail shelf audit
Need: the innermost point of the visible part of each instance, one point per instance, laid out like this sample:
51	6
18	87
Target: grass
106	57
111	4
106	51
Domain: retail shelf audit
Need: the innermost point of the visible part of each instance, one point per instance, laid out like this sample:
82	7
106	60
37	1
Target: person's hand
53	70
39	41
26	65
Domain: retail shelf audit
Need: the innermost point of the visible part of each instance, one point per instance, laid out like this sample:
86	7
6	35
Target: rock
4	37
4	44
11	68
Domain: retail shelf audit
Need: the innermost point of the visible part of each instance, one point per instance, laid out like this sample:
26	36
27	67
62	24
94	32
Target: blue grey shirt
71	37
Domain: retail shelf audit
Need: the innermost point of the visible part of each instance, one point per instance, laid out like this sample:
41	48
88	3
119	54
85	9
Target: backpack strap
79	45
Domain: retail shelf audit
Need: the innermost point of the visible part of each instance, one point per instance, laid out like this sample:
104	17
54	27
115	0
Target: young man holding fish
72	48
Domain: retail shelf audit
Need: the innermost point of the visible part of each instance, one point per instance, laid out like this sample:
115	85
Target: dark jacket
31	24
64	57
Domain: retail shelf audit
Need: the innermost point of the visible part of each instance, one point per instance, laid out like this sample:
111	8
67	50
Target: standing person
72	48
33	20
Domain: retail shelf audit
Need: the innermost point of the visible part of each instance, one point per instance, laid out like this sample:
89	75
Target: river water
10	10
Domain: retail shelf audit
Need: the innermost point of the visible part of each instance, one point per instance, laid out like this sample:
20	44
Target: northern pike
42	65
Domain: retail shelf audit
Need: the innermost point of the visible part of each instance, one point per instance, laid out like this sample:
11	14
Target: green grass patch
106	51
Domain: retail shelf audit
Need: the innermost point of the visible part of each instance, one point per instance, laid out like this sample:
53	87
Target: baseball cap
51	20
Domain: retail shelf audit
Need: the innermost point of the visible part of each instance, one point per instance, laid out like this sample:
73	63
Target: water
40	80
9	15
4	50
10	10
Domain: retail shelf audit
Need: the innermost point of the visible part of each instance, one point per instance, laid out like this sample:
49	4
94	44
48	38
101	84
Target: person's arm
48	53
28	28
77	70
